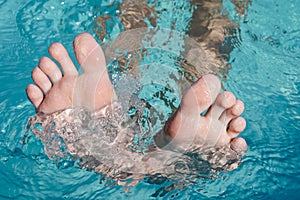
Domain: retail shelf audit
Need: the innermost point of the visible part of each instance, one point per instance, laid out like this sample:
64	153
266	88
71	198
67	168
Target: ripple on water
45	20
291	43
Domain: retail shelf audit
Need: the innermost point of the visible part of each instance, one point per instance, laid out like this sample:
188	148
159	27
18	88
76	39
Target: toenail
55	49
80	39
80	42
239	124
226	99
84	51
239	145
56	76
42	60
238	108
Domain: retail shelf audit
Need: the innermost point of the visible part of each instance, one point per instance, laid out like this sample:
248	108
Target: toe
236	110
239	145
236	126
41	79
35	95
50	69
201	95
60	54
89	54
224	101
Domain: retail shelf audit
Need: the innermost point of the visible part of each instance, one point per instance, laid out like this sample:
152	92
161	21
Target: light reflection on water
264	73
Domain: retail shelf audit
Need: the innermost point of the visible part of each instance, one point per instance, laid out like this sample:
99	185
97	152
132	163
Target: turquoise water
264	74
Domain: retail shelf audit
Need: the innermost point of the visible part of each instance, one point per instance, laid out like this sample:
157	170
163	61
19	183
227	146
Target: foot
56	90
220	125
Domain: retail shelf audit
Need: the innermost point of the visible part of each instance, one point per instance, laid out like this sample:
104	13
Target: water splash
103	142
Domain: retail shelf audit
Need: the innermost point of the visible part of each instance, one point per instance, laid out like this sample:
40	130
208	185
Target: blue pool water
264	74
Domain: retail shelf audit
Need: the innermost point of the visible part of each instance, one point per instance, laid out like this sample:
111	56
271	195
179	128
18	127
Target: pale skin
56	89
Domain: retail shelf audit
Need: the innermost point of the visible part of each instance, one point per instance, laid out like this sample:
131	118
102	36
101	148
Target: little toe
236	126
89	54
224	101
41	79
35	95
50	69
60	54
239	145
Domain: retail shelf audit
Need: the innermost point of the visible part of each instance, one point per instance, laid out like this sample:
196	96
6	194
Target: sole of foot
219	126
58	87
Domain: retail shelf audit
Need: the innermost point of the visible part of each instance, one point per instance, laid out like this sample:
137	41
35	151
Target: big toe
89	54
201	95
